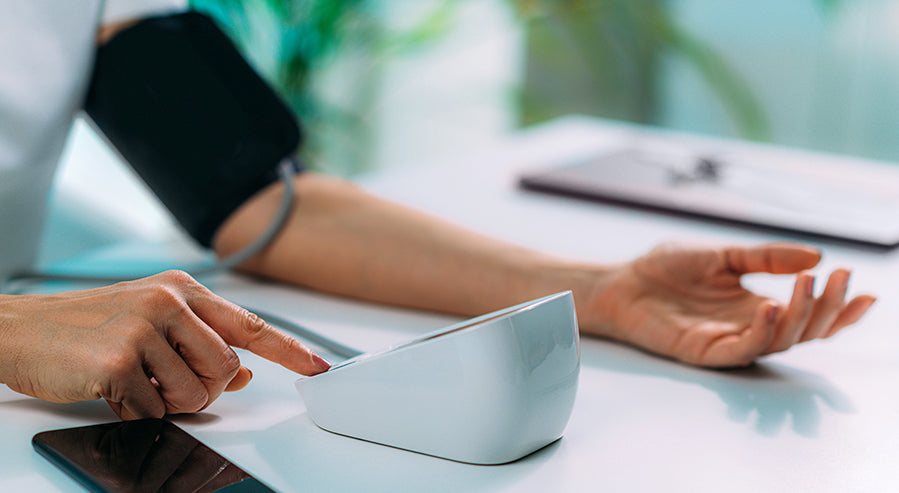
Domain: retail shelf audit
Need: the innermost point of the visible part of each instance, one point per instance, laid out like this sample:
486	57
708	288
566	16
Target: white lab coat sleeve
123	10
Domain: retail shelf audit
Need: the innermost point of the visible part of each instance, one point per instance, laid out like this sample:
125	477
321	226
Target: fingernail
321	362
846	280
772	314
810	287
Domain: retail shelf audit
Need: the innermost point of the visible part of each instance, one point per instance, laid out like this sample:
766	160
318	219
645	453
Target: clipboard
777	189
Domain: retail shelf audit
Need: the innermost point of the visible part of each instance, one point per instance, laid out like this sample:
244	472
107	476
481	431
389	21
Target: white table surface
821	417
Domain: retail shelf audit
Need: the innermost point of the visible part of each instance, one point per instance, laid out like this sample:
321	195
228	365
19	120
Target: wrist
9	323
586	281
597	299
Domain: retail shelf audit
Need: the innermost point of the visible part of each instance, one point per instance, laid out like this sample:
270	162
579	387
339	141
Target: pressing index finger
773	258
244	329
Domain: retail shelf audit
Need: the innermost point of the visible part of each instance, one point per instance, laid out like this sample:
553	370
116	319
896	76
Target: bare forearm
344	241
683	302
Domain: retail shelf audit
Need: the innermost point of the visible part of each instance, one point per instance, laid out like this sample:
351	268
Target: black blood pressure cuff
183	108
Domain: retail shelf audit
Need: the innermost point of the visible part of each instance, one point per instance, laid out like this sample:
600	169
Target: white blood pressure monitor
488	390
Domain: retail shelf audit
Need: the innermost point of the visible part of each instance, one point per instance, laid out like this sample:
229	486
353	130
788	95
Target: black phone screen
147	455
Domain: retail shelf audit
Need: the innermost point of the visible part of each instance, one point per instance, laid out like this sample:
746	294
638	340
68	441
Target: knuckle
253	325
161	295
826	306
135	332
835	301
193	400
119	365
258	331
289	345
292	349
177	278
229	363
220	369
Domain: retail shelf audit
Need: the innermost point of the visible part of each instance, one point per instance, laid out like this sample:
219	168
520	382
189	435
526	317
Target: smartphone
146	455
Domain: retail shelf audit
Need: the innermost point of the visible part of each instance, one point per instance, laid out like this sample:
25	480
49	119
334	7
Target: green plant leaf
828	6
731	87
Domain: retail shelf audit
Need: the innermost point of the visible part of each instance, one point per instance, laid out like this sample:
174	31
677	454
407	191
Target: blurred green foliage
589	56
611	50
291	42
601	57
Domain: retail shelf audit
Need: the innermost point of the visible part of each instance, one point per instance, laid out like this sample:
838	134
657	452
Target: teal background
401	82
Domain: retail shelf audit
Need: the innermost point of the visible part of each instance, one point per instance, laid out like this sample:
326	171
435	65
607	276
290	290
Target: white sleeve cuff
122	10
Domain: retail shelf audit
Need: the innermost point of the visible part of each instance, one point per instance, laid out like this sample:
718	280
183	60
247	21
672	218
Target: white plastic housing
488	390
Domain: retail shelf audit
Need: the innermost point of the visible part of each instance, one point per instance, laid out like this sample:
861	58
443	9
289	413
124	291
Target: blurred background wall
384	83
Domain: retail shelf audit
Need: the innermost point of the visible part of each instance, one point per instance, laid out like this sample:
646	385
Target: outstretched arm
681	302
341	240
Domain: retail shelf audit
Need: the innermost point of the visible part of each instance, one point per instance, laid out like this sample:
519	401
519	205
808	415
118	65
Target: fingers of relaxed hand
244	329
774	258
792	323
730	349
852	312
828	306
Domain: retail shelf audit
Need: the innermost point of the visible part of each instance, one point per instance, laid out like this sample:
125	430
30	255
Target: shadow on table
90	411
298	455
307	457
773	391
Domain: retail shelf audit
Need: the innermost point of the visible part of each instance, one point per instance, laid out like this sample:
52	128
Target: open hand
154	346
687	303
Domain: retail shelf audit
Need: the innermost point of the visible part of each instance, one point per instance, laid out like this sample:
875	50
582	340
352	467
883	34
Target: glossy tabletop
821	417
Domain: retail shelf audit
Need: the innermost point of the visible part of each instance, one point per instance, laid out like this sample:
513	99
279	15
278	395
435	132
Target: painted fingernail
321	362
772	314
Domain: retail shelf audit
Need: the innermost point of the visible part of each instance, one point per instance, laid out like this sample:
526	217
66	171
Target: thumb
240	380
773	258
